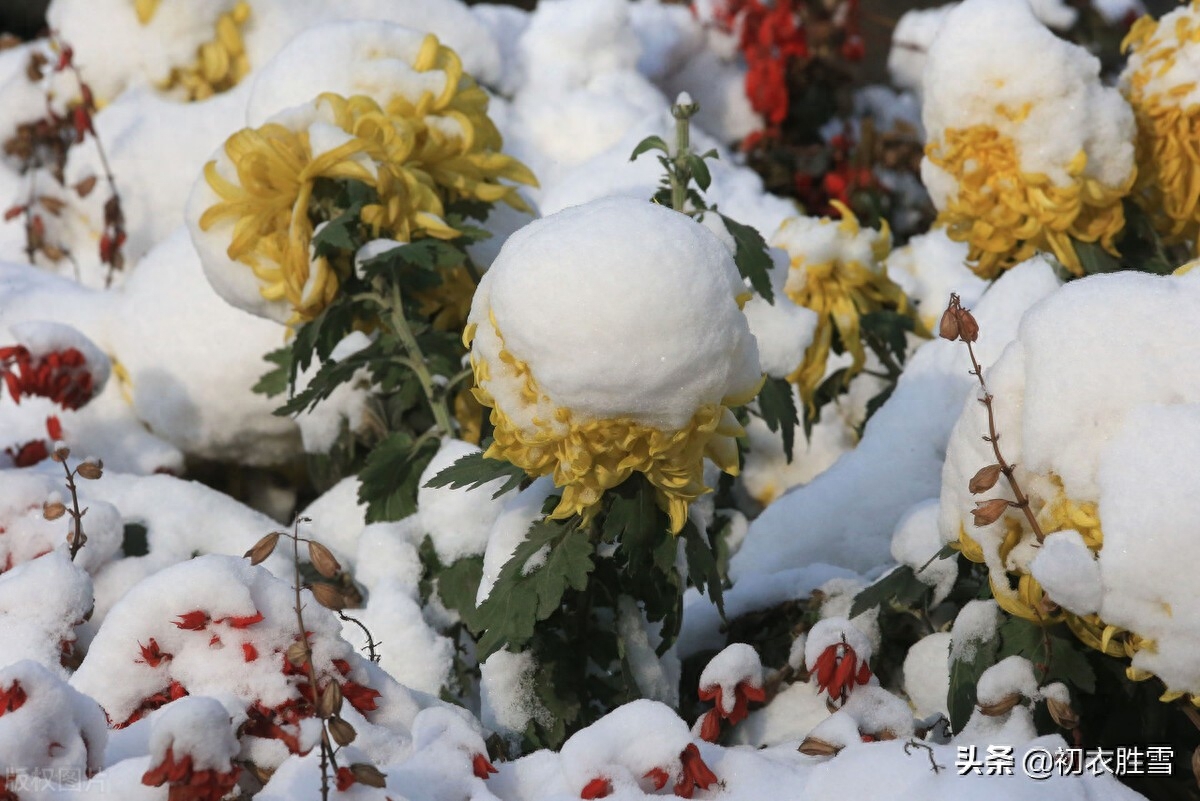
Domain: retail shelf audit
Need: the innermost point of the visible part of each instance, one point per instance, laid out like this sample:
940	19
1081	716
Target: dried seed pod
1002	706
342	732
85	187
297	653
322	559
263	548
968	328
369	775
61	452
985	479
988	512
814	746
1064	714
330	702
328	596
52	510
948	328
90	470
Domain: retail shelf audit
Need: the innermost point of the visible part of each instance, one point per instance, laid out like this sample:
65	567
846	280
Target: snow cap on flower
425	143
46	726
192	746
607	340
837	271
1026	150
55	361
1162	82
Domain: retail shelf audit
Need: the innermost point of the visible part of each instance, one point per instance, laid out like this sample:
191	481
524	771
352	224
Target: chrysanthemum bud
813	746
948	329
328	596
985	479
342	732
52	510
968	328
1002	706
1064	715
90	470
988	512
323	560
262	549
369	775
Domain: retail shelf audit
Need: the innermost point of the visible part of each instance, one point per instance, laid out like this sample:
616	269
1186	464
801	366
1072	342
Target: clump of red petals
188	784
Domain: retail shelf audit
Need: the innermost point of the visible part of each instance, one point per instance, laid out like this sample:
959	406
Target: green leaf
424	254
751	257
833	385
1054	658
458	584
648	144
634	522
275	382
388	480
331	375
777	407
699	171
964	676
474	470
889	328
900	586
338	233
524	593
703	569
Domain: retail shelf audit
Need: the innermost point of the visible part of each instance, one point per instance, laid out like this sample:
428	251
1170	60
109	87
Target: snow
625	745
1053	107
977	622
457	521
736	664
507	693
1011	675
198	727
833	631
660	288
410	650
1068	572
931	266
927	674
915	543
56	729
508	531
41	603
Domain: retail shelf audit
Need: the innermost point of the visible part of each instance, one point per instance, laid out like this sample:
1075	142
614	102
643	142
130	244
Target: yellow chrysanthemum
606	339
416	154
837	271
1007	214
221	62
587	457
1162	88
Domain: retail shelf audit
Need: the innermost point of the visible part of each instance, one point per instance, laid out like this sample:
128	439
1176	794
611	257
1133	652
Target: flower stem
681	174
435	396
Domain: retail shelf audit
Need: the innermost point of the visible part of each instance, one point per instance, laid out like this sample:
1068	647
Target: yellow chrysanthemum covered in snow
255	207
1104	433
607	341
1027	151
1162	83
221	62
837	271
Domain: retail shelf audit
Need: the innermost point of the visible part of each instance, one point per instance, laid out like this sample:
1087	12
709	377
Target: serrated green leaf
338	233
900	586
458	584
634	522
833	385
777	407
703	569
1054	658
647	144
331	375
524	594
964	677
474	470
275	382
890	329
388	479
751	257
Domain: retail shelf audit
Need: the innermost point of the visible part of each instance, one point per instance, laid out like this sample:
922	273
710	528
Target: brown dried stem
78	538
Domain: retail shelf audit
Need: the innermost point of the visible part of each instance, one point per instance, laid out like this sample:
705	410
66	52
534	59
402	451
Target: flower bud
948	329
1064	715
262	549
988	512
322	559
297	653
90	470
369	775
813	746
328	596
985	479
342	732
1002	706
968	328
52	510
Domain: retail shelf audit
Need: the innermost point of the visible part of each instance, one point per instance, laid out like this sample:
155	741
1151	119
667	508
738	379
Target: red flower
598	787
345	778
659	776
695	773
62	376
188	784
838	671
743	694
13	698
249	652
241	622
193	621
29	454
481	767
360	697
151	655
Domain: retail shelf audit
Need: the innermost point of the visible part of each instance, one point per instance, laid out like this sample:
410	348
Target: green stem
682	174
436	398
